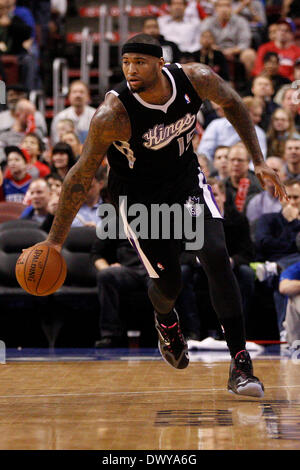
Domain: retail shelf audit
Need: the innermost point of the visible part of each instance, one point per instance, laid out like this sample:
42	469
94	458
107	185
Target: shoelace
164	328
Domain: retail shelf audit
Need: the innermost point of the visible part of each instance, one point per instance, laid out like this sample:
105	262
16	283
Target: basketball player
151	163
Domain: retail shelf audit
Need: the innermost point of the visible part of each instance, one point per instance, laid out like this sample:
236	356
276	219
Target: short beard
138	90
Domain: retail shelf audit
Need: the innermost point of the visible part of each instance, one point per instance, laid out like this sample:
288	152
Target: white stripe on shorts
131	235
208	197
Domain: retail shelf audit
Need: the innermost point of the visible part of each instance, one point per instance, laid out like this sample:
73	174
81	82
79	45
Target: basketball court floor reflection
122	399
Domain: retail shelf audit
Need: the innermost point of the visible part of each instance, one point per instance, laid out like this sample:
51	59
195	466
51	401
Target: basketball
41	270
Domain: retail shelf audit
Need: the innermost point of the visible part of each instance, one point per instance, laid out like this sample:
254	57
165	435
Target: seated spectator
221	132
54	182
63	126
289	285
281	129
87	215
119	271
265	202
171	52
275	241
292	158
291	105
254	12
14	36
79	111
262	89
284	45
39	196
211	56
232	33
177	28
14	93
238	168
34	146
220	163
72	139
24	124
17	183
62	159
270	70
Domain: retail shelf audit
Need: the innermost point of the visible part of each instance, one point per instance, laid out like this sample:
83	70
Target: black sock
234	332
167	319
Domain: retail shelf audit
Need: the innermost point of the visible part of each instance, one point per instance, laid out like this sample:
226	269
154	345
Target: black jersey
160	152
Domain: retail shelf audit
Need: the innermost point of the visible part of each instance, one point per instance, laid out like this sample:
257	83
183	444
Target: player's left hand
263	173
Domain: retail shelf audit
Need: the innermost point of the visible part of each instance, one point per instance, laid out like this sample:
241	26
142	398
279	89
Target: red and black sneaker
171	344
241	379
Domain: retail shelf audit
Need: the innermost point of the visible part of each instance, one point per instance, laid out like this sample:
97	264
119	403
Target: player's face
141	71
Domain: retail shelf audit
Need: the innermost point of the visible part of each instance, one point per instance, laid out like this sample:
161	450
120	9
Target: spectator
24	124
281	128
221	132
289	285
270	70
177	28
17	183
211	56
73	140
290	104
292	158
232	33
34	146
87	215
14	93
220	163
262	88
171	53
254	12
265	202
79	111
284	46
39	196
62	159
63	126
238	168
14	36
119	271
54	182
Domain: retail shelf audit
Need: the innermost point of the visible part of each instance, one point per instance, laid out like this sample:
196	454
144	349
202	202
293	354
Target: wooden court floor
142	405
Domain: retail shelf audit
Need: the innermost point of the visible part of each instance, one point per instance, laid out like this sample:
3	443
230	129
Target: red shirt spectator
286	49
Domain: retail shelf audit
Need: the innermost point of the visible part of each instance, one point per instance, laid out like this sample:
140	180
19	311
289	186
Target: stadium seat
18	224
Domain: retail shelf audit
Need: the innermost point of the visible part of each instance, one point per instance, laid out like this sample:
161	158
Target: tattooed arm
210	86
109	123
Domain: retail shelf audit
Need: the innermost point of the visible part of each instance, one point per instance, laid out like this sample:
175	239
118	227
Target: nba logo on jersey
187	98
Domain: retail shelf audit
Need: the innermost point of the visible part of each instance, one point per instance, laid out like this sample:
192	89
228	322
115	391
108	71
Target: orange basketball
41	270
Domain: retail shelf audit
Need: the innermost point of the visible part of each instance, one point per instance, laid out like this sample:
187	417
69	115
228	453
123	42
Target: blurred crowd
253	45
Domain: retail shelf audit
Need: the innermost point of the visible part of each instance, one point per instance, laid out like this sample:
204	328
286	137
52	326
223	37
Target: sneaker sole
251	389
167	362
